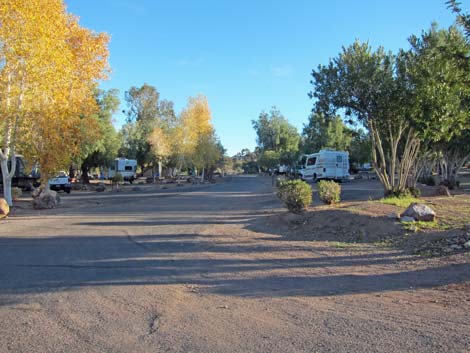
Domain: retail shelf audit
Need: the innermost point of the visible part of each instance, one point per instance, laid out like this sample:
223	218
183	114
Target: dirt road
191	271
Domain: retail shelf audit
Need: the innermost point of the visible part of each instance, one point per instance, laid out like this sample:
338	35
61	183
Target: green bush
329	192
296	195
118	178
414	191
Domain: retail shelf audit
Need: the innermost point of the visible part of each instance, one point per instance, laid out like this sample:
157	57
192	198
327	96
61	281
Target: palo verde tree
49	69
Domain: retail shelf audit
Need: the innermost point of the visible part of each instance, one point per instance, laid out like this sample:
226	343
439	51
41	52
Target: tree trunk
85	178
6	182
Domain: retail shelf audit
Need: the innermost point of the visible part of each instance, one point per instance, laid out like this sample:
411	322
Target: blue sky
246	55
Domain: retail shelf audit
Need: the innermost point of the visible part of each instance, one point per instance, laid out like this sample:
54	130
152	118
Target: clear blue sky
244	55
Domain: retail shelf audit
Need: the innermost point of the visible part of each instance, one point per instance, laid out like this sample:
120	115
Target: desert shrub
414	191
296	195
118	178
329	192
16	193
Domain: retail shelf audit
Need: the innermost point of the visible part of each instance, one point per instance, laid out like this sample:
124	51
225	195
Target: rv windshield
301	162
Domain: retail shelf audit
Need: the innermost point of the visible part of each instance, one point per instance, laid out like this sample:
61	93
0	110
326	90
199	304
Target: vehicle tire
315	178
68	190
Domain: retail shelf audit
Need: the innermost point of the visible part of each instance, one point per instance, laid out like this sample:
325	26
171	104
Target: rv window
339	159
312	161
128	167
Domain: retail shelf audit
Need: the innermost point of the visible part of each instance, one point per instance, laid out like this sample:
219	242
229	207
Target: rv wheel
315	178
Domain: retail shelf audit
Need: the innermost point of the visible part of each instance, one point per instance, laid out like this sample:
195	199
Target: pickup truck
60	182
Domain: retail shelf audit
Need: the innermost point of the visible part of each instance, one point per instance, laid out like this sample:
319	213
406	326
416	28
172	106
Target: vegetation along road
203	270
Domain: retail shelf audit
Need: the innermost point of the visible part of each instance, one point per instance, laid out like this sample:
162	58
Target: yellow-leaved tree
49	67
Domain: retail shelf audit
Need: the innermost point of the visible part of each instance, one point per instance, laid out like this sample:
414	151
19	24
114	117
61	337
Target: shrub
414	191
296	195
16	193
329	192
118	178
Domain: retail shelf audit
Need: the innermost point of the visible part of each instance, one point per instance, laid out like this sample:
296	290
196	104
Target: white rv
125	167
326	164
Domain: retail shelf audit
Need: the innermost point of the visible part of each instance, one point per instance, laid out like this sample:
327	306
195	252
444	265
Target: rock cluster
43	199
446	246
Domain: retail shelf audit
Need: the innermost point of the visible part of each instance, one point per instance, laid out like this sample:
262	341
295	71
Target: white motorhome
125	167
326	164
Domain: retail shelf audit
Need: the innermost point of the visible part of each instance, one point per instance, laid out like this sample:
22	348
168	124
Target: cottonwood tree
49	69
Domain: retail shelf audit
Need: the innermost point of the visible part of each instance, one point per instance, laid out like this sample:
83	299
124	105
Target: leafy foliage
329	191
296	195
277	135
50	69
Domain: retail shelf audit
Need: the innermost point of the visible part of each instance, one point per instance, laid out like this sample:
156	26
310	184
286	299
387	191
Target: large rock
420	212
4	208
46	199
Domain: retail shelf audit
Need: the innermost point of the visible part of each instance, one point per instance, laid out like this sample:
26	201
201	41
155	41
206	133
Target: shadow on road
75	262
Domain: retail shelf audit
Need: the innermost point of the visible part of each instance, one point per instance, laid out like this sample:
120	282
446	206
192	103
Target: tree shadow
50	264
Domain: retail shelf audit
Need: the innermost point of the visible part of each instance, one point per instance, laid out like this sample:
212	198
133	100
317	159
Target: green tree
322	132
369	86
276	134
102	151
462	19
145	113
439	64
269	159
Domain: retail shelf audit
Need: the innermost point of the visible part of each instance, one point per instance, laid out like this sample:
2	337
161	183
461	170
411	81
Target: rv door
339	167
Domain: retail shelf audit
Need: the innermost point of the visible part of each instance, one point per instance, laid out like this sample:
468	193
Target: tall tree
369	86
145	113
322	132
100	152
274	133
50	67
463	18
439	66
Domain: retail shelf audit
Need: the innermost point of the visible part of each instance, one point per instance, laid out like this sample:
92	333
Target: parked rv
22	178
326	164
126	167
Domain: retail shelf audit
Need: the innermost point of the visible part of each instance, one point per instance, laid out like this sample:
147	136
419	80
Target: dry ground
223	269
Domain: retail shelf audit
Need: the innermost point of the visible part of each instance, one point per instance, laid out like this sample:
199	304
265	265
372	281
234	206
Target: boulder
46	199
442	190
419	212
4	208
